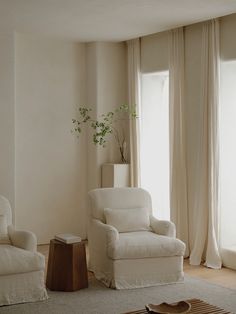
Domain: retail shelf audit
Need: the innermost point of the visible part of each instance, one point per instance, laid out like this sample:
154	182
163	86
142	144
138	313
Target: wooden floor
224	277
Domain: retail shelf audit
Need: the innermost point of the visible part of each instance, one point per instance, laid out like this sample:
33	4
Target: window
227	128
154	136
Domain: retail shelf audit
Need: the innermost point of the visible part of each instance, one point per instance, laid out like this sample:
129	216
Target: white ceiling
105	20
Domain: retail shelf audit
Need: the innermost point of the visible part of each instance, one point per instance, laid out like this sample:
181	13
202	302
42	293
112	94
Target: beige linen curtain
206	196
133	96
178	172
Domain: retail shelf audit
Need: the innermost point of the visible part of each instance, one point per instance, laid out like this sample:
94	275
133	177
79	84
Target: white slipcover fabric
145	244
21	267
21	288
14	260
4	238
117	198
5	209
3	225
131	259
145	272
23	239
163	227
134	219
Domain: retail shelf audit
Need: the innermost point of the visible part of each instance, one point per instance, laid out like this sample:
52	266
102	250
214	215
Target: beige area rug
98	299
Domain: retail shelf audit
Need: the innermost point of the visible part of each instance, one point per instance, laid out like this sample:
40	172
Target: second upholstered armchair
128	247
21	266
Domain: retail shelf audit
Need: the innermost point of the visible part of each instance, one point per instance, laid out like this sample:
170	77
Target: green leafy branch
107	124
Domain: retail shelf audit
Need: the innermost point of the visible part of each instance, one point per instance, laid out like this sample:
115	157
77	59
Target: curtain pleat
178	169
206	195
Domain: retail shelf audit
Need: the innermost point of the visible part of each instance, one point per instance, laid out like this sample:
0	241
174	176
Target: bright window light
154	142
227	127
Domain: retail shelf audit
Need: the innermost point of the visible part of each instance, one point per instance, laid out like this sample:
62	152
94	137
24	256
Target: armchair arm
23	239
103	235
163	227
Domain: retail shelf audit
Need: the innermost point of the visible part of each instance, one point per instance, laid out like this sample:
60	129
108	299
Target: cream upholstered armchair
21	267
128	247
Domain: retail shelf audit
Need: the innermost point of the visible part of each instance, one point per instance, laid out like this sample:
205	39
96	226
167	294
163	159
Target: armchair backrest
120	198
5	209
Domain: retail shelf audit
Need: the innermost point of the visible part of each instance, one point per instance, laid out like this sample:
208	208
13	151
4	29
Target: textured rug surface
98	299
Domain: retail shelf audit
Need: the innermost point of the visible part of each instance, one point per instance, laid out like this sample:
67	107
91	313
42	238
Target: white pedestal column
115	175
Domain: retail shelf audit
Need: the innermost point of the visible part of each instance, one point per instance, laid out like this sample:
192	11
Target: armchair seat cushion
14	260
145	244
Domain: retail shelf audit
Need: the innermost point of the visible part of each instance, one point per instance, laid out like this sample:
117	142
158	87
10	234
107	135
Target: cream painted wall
54	170
107	89
112	88
51	178
93	170
227	37
154	53
7	86
45	170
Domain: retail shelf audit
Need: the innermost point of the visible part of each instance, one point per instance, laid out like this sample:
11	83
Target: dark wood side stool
67	268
